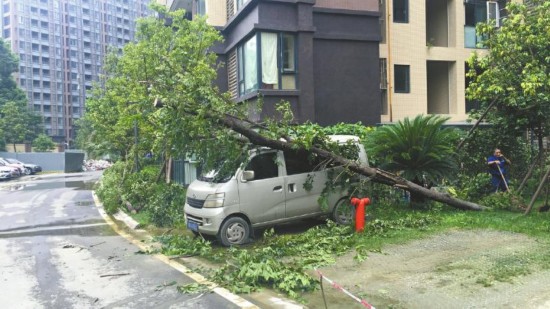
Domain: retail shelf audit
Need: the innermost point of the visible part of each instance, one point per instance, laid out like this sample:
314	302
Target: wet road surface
56	251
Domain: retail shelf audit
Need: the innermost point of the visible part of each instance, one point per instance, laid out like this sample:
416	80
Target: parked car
14	171
5	173
29	168
269	189
20	167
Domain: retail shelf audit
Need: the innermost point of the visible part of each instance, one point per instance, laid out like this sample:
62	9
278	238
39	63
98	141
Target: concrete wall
50	161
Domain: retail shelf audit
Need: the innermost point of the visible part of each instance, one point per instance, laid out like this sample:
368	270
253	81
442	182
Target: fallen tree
173	67
375	174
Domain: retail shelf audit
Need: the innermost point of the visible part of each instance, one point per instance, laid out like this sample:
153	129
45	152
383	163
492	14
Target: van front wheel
343	212
234	231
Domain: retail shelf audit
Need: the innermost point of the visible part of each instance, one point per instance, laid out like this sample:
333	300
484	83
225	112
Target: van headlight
214	200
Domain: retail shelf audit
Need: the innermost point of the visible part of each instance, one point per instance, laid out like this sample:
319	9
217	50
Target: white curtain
250	65
269	58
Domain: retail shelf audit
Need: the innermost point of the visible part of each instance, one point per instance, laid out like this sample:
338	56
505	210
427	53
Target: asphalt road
56	251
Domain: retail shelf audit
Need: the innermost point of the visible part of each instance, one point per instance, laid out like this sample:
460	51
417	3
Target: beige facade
216	12
432	44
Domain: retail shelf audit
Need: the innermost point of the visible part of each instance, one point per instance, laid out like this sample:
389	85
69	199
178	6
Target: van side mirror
248	175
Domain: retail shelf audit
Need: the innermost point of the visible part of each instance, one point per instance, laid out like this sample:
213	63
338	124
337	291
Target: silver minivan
271	187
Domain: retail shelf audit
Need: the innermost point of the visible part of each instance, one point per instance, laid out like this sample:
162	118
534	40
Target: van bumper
208	220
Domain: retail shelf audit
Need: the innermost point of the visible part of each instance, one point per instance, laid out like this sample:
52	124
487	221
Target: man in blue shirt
499	173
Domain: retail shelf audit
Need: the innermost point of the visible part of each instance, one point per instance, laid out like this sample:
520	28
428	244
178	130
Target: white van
269	190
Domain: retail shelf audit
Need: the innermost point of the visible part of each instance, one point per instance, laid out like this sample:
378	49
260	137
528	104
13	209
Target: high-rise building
61	45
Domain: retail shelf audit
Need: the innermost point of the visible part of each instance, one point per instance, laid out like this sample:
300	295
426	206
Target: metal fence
184	171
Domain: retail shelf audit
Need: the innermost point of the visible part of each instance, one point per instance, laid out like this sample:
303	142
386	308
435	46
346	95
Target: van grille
194	218
195	203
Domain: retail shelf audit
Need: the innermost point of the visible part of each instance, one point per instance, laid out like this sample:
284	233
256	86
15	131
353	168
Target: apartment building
322	56
423	53
61	45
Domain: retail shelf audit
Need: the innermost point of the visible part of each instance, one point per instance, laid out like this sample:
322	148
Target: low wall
70	161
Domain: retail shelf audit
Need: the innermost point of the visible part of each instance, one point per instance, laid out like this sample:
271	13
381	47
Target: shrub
504	201
43	143
140	187
474	187
166	205
111	187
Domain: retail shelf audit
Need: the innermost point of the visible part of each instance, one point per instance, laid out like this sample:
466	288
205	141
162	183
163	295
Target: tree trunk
537	193
375	174
169	170
476	124
162	170
529	172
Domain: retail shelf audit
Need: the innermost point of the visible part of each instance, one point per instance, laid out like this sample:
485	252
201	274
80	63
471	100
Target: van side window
264	166
299	162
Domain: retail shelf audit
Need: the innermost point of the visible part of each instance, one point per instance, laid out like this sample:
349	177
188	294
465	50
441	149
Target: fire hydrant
360	209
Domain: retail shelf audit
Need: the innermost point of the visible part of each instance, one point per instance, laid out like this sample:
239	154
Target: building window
267	61
402	78
247	70
201	7
479	12
239	4
401	11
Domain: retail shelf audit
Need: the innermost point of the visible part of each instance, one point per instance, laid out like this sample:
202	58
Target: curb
226	294
123	217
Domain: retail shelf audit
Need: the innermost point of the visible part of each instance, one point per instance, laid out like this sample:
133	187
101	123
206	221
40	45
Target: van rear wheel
234	231
343	211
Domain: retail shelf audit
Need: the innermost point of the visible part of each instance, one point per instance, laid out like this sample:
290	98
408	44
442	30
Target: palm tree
420	150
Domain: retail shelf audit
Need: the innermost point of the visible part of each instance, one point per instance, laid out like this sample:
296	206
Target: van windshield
216	177
222	172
